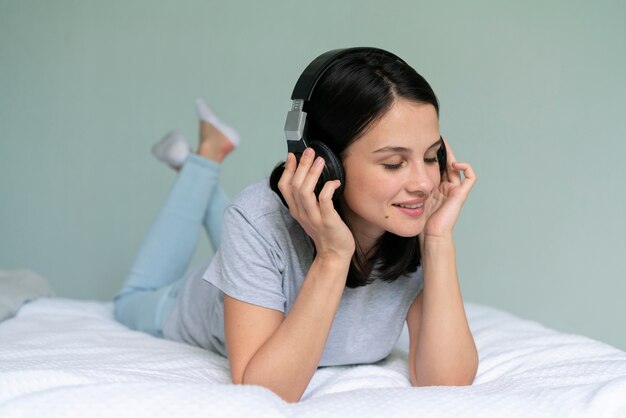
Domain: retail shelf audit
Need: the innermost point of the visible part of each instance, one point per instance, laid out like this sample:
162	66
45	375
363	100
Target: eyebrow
405	150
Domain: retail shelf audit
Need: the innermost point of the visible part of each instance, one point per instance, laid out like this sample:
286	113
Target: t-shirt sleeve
247	266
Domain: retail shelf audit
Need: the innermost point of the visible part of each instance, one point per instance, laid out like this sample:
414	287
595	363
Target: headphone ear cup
442	157
333	169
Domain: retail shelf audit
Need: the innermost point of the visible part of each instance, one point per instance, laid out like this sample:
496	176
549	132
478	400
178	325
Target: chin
407	232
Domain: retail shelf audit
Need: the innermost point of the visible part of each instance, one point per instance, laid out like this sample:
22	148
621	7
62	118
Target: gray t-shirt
263	260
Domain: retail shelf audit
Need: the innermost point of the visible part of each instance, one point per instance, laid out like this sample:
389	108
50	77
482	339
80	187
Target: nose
420	180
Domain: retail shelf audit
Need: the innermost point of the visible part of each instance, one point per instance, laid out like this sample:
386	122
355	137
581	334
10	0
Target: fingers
284	184
454	170
304	181
304	165
327	208
297	184
312	176
468	174
306	194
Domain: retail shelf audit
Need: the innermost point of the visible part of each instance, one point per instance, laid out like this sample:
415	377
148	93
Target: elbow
286	395
290	399
444	381
236	376
451	378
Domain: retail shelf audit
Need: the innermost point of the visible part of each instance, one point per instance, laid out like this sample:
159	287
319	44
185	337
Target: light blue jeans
150	290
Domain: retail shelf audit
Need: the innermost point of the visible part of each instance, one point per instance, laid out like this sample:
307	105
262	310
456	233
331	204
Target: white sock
206	114
173	149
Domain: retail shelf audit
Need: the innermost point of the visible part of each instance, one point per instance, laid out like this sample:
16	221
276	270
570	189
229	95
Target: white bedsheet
67	358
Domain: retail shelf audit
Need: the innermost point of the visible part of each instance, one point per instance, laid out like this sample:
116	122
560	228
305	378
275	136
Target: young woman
301	280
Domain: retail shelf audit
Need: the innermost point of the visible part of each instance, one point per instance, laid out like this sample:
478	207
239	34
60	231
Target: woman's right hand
318	217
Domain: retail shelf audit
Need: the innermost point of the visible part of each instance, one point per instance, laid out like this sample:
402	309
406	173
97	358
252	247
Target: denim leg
155	277
214	214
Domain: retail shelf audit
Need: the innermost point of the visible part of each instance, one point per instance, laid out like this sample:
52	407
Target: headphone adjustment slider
294	127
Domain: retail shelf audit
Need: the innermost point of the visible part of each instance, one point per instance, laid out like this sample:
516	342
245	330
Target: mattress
70	358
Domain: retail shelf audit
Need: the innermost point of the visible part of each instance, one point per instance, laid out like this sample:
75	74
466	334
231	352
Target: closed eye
433	160
392	166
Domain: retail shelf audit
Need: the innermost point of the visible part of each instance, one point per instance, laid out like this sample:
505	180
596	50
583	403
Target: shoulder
258	199
261	208
257	202
257	224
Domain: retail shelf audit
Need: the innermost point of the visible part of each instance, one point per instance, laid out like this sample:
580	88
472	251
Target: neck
365	239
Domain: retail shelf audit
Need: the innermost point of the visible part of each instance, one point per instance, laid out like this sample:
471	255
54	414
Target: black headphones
296	125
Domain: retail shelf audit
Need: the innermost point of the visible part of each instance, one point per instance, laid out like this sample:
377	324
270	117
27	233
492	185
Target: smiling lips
411	208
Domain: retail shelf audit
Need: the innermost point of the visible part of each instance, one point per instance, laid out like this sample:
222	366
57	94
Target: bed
69	358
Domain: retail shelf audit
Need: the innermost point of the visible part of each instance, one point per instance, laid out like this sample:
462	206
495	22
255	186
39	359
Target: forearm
446	353
286	362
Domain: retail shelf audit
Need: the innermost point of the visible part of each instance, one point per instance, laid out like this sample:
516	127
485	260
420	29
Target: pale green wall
532	93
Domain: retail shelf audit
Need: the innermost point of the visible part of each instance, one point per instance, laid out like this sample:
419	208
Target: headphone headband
315	70
303	90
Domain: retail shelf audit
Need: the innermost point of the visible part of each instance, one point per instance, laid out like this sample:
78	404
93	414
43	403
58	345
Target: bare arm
282	353
442	349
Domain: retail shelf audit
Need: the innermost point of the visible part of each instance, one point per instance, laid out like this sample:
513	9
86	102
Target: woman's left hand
445	202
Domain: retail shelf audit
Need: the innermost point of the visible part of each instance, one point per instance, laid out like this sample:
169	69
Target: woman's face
390	172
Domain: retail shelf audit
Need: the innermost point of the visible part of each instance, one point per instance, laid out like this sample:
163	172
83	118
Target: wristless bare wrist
434	245
331	266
